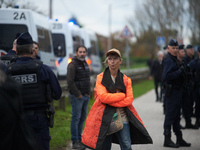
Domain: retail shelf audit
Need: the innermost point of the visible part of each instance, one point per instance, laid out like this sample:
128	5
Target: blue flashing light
56	19
16	6
71	23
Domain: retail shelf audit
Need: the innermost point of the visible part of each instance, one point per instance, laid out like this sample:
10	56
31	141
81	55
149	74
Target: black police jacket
171	72
33	89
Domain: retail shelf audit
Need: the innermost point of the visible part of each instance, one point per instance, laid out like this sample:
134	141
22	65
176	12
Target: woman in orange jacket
113	92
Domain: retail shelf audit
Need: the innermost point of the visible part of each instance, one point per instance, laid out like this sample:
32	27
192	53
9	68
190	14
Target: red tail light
88	61
57	64
69	60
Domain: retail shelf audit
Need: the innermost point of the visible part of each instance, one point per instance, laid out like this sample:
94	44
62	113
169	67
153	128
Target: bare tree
161	15
8	3
194	20
25	5
158	18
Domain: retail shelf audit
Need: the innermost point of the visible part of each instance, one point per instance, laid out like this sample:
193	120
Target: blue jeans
123	137
79	113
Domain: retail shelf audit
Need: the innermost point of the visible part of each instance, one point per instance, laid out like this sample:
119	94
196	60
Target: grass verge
60	133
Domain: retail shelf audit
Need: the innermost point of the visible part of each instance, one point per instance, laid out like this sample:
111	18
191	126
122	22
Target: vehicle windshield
93	49
77	41
8	33
44	39
59	45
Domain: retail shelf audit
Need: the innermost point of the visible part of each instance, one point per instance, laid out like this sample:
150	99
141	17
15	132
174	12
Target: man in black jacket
78	80
156	72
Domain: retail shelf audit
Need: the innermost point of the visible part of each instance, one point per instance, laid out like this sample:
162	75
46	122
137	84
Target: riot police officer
12	54
35	78
189	95
195	67
173	83
187	87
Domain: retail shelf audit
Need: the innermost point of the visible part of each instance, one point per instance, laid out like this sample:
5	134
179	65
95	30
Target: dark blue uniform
37	114
188	98
47	76
172	81
195	68
11	52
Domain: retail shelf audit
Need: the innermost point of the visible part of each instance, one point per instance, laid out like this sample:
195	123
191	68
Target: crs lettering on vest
26	78
6	62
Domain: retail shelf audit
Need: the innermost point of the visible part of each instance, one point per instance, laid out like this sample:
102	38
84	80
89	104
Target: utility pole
109	27
50	9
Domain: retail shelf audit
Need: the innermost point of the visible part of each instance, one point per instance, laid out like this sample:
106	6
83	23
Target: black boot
197	123
169	143
189	125
181	142
182	127
164	110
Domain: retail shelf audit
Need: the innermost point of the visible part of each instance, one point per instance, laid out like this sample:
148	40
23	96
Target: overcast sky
93	14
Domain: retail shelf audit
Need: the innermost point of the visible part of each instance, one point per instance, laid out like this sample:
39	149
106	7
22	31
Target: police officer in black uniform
195	67
11	55
172	78
165	48
36	80
15	132
189	95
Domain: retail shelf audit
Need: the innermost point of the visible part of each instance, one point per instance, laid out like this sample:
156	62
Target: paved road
151	113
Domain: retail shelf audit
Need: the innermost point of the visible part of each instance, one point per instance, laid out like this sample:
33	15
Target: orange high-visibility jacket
101	113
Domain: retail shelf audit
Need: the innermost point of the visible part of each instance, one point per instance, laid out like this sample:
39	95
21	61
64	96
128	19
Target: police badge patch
26	78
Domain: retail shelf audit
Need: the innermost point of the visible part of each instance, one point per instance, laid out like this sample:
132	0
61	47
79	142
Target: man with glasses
172	78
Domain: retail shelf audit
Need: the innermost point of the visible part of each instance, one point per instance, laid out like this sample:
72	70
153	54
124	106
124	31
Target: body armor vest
82	77
33	89
8	59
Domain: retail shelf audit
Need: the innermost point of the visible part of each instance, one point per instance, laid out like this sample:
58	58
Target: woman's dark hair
80	47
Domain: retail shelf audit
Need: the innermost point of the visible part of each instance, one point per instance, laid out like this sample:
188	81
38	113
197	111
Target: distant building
103	42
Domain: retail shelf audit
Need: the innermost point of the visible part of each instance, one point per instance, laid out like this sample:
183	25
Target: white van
76	36
91	43
66	38
13	21
63	46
